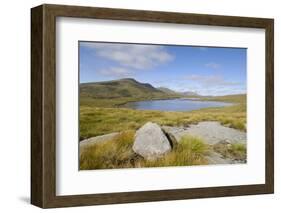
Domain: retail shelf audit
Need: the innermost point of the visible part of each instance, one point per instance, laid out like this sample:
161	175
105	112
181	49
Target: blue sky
205	70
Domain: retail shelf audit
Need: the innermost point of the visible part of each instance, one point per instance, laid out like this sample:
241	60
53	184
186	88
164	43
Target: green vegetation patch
236	151
115	153
118	153
189	151
96	121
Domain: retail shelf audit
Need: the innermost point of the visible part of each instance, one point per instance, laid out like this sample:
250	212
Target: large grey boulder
150	142
173	134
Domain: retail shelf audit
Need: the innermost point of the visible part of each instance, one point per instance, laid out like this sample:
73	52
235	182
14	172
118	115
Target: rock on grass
150	142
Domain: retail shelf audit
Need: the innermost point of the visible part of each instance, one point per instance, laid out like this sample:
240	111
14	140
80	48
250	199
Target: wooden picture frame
43	105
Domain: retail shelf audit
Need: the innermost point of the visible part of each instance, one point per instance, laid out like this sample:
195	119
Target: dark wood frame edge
43	104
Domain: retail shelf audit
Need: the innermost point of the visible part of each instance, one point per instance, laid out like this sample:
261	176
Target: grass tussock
189	151
236	151
118	153
115	153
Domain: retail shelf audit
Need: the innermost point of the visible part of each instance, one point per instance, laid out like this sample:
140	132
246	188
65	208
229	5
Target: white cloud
203	85
116	72
210	80
133	56
213	85
213	65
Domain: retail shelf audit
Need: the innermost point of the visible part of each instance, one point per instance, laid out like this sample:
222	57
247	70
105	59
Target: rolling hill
188	93
172	92
168	91
123	88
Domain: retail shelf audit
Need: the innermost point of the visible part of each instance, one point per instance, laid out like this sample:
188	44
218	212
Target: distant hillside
190	93
123	88
167	90
237	98
172	92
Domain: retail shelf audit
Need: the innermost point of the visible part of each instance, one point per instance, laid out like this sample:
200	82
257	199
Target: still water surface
174	105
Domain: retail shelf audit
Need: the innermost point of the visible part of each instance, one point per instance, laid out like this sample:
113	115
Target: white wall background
15	104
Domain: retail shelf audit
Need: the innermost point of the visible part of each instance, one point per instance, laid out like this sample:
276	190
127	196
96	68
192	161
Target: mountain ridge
128	87
185	93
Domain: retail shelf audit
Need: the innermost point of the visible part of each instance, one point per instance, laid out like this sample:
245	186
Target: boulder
151	142
171	138
174	134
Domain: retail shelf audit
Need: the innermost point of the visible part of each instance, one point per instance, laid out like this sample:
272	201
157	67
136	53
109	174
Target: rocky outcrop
211	132
97	139
151	142
174	133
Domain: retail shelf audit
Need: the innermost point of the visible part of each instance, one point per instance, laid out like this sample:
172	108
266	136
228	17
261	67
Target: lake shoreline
174	104
99	117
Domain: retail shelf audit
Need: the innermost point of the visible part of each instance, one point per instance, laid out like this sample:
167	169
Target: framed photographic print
137	106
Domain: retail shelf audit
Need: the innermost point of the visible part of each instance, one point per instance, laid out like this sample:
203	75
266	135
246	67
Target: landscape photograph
152	105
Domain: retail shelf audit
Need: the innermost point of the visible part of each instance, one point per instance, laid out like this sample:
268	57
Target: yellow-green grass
118	153
96	121
115	153
189	151
103	116
241	98
118	102
237	151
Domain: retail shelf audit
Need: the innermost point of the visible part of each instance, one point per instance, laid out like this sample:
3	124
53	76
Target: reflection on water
174	105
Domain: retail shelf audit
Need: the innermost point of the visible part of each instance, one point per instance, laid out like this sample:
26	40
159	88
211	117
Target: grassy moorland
118	153
97	120
101	113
